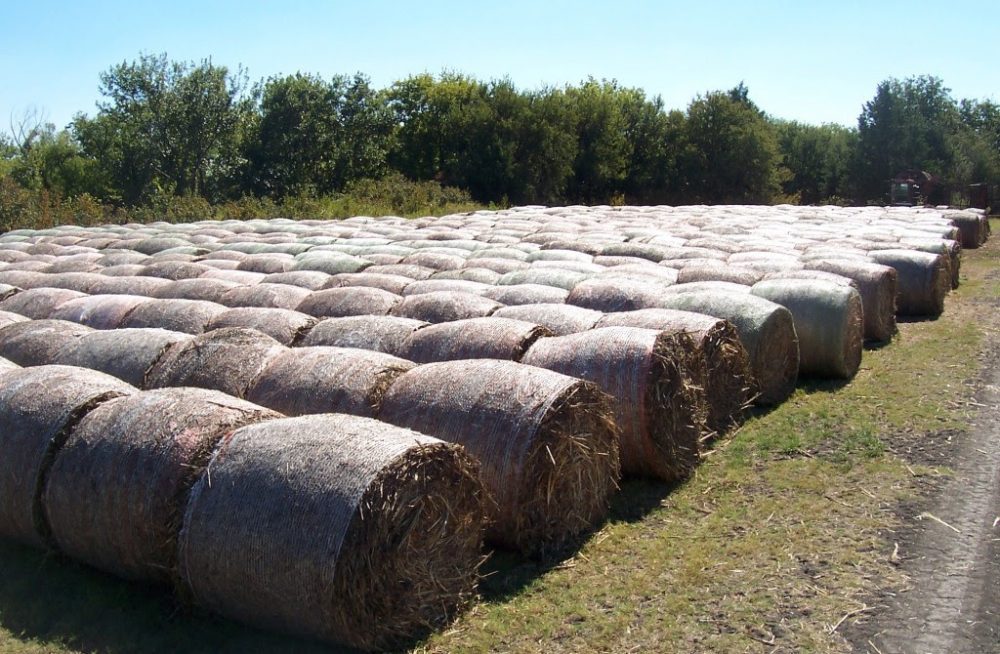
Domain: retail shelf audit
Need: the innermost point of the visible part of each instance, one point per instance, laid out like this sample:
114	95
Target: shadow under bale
384	526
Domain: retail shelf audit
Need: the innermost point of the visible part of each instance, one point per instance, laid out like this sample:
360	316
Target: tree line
166	129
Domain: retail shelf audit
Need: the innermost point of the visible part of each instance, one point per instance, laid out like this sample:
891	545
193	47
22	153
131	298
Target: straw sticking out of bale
546	442
127	524
828	321
766	330
227	360
41	406
727	376
308	380
128	354
659	411
384	524
380	333
474	338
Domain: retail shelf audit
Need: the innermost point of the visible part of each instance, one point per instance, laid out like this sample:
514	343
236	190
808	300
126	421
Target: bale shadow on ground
55	603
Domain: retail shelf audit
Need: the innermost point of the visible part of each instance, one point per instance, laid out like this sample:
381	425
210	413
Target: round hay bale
127	285
267	263
188	316
526	294
241	277
546	442
815	275
727	376
349	301
645	271
7	366
766	330
829	322
560	319
331	263
307	380
706	287
951	250
175	270
127	524
422	286
564	279
481	275
36	342
311	279
123	270
39	303
275	296
158	244
473	338
200	288
41	405
71	264
283	325
659	410
609	294
99	311
434	260
410	270
76	281
9	318
390	283
877	286
379	333
6	290
127	354
922	280
498	265
743	275
445	306
384	526
227	360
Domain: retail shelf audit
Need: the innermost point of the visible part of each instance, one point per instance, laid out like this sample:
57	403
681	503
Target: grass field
782	537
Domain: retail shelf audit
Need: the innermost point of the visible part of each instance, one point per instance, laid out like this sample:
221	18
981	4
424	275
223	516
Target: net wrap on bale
474	338
384	526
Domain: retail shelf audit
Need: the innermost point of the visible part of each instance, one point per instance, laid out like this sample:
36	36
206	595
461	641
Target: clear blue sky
810	61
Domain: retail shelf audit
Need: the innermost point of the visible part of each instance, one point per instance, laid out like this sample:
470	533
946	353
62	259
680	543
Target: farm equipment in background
912	188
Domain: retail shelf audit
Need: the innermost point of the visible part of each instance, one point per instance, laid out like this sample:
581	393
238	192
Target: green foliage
819	160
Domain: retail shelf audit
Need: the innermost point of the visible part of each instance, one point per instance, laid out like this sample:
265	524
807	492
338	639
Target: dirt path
952	552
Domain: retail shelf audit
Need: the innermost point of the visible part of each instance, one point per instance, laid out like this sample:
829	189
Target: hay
391	283
99	311
9	318
308	380
7	366
349	301
331	263
706	287
6	291
877	286
610	294
481	275
565	279
828	321
501	266
118	487
202	288
434	260
242	277
39	303
227	360
560	319
445	286
659	410
546	443
188	316
384	527
310	279
40	407
766	330
267	263
445	306
922	282
410	270
526	294
719	273
127	285
379	333
275	296
127	354
285	326
123	270
727	376
175	270
473	338
36	342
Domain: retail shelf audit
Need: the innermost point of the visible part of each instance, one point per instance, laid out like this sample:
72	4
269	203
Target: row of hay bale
547	443
216	495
